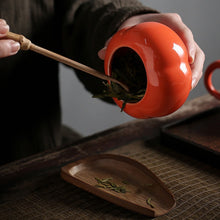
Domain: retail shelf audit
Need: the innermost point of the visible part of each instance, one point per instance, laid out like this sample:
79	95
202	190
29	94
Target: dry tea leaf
127	67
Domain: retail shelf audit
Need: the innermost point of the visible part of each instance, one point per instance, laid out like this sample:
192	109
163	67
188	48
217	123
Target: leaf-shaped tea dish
122	181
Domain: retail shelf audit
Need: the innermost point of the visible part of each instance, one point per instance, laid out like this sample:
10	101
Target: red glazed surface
165	58
208	78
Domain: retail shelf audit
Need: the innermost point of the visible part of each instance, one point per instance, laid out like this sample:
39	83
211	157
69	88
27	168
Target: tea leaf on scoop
106	183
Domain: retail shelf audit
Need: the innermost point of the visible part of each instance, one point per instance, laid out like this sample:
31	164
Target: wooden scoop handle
26	44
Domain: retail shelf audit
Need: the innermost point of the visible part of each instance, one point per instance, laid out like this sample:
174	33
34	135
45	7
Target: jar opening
127	67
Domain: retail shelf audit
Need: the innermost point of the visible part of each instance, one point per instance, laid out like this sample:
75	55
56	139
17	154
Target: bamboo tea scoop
26	44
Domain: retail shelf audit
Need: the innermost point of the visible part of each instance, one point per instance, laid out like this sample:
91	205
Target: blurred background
88	115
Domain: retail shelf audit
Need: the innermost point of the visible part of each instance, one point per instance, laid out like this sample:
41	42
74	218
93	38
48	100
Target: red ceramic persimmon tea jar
165	61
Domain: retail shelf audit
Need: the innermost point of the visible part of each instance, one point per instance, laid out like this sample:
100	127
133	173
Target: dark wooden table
31	188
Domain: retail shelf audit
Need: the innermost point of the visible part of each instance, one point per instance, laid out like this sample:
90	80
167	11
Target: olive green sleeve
87	26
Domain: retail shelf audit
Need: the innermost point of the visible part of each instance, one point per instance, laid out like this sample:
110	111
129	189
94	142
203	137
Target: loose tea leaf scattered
149	202
106	183
125	182
128	68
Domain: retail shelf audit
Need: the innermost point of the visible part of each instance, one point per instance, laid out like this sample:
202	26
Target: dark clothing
30	102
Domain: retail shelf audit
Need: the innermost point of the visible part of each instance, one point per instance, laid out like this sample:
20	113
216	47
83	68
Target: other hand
7	47
174	21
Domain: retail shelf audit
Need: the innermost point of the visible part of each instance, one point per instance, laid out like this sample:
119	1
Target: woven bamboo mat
195	185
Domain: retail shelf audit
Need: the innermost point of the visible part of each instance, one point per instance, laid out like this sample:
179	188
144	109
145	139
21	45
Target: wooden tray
138	189
198	135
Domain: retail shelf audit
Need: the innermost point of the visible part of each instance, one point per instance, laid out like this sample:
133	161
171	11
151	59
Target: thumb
101	53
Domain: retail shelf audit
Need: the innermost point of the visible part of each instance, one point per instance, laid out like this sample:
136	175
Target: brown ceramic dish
142	186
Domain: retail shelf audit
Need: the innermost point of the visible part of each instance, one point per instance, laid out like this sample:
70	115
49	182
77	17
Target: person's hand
7	47
174	21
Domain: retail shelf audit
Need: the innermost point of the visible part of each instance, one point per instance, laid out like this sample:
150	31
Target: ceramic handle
208	78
